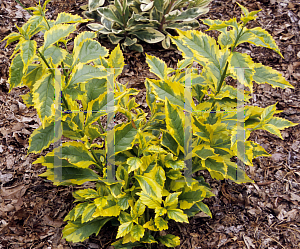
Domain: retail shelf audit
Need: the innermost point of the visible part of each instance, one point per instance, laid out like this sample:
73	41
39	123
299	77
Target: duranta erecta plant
145	171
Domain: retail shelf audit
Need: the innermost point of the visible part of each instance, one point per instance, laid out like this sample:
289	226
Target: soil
263	214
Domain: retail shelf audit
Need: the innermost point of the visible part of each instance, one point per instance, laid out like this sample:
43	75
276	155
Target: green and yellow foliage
153	183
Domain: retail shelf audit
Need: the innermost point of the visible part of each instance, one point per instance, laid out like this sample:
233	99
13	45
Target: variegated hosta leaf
187	15
16	72
95	4
76	231
88	50
43	97
264	74
157	66
57	33
186	25
111	14
149	35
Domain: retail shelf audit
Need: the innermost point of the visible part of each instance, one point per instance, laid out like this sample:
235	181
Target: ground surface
264	214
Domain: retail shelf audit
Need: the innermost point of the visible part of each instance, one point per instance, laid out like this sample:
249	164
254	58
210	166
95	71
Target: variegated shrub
151	21
153	182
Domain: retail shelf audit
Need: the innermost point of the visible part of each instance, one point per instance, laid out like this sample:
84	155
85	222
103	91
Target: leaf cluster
147	170
151	21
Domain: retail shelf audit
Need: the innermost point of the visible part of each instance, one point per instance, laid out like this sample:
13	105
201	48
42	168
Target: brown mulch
264	214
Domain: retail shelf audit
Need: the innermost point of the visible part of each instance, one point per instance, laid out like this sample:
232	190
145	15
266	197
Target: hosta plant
139	171
151	21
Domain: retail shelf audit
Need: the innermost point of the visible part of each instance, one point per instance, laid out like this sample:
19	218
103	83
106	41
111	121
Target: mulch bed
264	214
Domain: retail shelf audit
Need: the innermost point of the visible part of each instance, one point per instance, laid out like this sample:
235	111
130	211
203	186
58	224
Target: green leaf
89	50
68	18
137	232
149	35
160	223
178	164
95	4
265	39
88	212
43	97
157	66
57	33
172	200
242	66
175	125
28	50
124	229
168	141
187	15
96	108
177	215
134	163
186	52
204	208
215	164
170	240
82	74
82	36
188	199
268	113
138	209
203	151
11	38
110	14
16	72
41	137
149	186
116	61
173	91
204	47
124	137
76	153
264	74
71	175
77	232
56	54
281	123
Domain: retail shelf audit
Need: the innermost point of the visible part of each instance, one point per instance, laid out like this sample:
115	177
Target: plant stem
96	158
99	122
227	64
163	20
24	7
